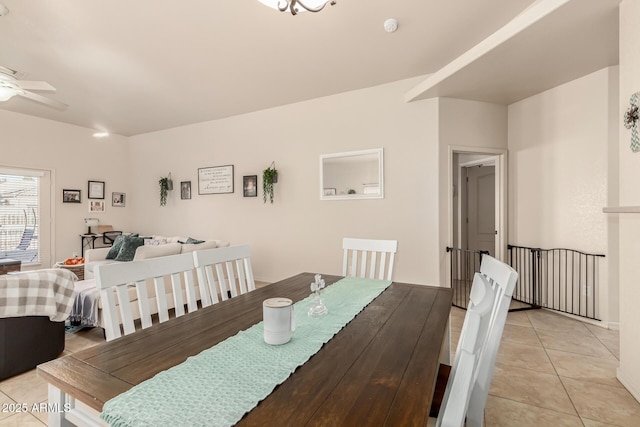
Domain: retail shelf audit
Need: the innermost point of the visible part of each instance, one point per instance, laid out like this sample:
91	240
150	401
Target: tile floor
551	371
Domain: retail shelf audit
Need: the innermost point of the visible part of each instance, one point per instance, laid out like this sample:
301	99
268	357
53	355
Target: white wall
629	177
558	170
468	124
75	157
299	232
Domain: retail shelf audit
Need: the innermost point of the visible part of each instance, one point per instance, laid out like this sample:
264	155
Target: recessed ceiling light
100	134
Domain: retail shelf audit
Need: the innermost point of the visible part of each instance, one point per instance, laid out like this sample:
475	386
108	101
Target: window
20	214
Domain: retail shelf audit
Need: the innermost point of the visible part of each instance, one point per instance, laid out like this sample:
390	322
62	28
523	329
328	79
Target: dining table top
380	369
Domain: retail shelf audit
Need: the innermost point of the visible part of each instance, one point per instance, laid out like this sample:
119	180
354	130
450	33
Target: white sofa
94	257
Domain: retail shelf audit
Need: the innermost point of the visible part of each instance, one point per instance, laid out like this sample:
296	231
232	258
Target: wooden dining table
380	369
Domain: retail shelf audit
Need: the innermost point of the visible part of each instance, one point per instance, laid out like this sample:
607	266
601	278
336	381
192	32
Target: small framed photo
70	196
118	200
185	190
250	186
96	190
96	206
329	192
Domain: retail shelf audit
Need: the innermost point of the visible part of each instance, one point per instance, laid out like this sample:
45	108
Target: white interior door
481	208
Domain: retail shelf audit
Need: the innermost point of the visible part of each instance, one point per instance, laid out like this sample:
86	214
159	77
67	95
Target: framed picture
70	196
96	190
329	192
185	190
250	186
118	200
215	180
96	206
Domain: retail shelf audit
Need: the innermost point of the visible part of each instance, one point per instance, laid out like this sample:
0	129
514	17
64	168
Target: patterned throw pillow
155	242
115	248
129	245
191	241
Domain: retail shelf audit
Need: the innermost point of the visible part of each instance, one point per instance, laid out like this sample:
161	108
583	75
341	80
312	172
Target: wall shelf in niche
621	209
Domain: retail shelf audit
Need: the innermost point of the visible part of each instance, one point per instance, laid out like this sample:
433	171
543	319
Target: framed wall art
215	180
118	200
250	186
71	196
96	206
185	190
96	190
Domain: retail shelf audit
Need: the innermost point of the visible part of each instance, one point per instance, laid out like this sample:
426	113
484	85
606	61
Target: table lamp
91	222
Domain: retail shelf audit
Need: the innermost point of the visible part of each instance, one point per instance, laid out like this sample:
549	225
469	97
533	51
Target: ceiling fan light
299	6
6	93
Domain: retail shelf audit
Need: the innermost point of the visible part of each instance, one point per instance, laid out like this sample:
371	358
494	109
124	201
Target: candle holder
318	308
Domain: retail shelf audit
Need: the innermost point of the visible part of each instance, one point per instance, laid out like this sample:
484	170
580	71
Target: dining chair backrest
225	271
470	378
503	278
132	283
363	257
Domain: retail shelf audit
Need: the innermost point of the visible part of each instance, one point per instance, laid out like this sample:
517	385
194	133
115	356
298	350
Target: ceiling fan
10	86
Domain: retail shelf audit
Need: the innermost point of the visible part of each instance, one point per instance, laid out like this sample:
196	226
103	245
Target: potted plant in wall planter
166	185
269	177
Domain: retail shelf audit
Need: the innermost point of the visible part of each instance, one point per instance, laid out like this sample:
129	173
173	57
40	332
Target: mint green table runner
219	385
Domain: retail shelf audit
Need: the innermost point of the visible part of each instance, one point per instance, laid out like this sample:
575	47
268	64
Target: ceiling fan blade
35	85
39	98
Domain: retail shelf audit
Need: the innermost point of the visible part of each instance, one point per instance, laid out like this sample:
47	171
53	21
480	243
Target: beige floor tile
518	318
508	413
586	368
574	343
5	400
613	346
613	405
592	423
25	388
521	335
83	339
530	387
525	356
21	420
602	333
546	320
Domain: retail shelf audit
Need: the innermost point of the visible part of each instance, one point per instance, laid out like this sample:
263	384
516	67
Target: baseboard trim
627	384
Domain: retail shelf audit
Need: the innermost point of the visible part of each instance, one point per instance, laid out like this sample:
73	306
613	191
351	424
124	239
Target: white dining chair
132	282
470	377
226	271
363	257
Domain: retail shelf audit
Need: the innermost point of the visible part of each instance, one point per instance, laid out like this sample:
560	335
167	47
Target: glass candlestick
317	308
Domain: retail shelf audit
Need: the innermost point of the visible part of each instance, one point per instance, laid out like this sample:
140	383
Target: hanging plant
269	177
164	189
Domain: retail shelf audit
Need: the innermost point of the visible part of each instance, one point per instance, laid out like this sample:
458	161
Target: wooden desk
380	369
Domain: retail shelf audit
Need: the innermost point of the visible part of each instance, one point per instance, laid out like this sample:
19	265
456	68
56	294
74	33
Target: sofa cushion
129	245
91	266
151	251
209	244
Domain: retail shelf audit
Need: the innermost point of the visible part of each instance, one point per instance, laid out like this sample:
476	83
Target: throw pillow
155	242
129	245
115	248
191	241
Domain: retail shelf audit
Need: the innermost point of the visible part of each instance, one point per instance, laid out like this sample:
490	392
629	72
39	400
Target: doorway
477	205
477	197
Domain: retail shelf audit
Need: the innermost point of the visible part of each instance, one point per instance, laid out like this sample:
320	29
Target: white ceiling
131	67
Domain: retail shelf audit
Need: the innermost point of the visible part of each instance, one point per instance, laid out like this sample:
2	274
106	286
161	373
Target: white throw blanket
85	306
37	293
